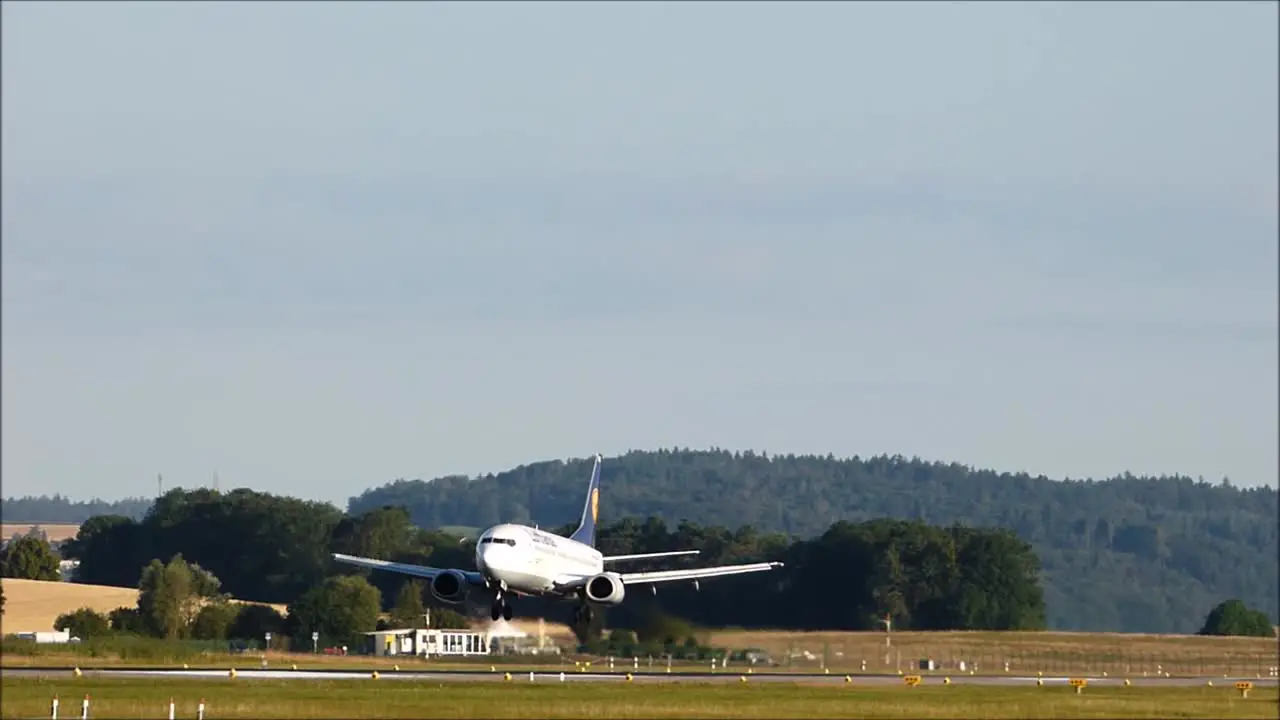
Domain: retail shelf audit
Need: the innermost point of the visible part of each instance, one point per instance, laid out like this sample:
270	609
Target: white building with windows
433	642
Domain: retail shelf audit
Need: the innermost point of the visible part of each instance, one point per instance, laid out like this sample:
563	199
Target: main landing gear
501	609
582	614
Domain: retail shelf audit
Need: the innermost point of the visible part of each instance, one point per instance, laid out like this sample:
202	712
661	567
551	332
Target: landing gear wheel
506	611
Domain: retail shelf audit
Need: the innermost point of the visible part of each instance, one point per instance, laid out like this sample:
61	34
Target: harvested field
34	605
56	532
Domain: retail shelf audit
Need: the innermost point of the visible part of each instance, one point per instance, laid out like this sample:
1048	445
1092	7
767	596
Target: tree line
1125	554
180	600
50	509
1136	554
275	549
851	577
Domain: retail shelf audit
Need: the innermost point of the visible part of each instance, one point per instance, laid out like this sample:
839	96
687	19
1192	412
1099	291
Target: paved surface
621	676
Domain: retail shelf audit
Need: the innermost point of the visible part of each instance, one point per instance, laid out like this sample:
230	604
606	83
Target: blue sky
314	247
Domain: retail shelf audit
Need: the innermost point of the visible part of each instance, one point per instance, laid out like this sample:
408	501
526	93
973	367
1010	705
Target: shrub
84	623
1233	617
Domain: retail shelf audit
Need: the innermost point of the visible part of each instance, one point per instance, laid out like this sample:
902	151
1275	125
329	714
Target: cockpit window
503	541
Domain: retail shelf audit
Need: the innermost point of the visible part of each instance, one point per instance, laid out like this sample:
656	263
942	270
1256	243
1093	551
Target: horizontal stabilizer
647	556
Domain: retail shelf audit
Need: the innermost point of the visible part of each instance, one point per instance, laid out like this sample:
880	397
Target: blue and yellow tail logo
586	532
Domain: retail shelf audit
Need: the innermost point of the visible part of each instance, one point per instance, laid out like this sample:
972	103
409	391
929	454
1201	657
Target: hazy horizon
315	248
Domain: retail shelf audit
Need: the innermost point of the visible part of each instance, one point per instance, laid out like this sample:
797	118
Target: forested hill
59	509
1126	554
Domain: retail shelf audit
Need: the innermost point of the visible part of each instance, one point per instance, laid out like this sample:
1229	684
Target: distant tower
159	485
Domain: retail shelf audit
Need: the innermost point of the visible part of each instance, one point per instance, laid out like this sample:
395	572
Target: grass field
1051	653
111	697
85	657
34	605
56	532
1113	653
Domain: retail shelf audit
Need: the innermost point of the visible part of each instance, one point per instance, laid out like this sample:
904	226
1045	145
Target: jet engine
449	586
606	589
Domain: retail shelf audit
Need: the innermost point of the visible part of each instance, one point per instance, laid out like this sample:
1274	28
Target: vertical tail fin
586	532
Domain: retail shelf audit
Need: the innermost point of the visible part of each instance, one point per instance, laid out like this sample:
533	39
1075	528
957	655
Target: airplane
517	560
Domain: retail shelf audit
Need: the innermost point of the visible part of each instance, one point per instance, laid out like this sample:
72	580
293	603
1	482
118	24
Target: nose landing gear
501	609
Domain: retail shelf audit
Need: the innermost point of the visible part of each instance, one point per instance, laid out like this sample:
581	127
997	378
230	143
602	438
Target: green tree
83	623
128	620
96	526
29	558
382	533
340	609
214	620
1233	617
621	637
409	609
224	533
253	621
171	594
165	599
443	618
112	550
662	628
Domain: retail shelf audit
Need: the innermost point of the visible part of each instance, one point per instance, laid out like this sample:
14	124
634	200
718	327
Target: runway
646	677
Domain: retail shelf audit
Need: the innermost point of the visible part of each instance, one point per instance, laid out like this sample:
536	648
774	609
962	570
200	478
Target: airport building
49	636
496	639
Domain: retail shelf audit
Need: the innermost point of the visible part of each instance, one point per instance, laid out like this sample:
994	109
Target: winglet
586	532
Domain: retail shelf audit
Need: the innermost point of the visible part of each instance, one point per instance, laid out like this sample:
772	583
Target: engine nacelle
606	589
449	586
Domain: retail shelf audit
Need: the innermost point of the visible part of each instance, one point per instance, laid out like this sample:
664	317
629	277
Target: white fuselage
528	561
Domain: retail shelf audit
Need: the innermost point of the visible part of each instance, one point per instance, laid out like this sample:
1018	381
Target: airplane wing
647	556
571	582
422	571
660	576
